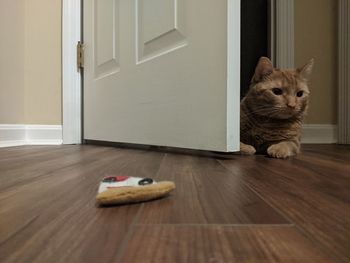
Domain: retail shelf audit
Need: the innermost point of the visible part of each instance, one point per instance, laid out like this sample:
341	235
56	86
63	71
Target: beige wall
42	96
11	61
316	36
30	62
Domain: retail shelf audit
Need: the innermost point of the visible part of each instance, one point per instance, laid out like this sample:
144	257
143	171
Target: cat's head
277	93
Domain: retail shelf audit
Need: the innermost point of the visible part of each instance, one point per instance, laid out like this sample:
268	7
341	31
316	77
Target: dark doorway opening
254	37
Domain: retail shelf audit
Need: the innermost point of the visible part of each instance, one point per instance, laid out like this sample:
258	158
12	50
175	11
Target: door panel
160	27
106	37
157	73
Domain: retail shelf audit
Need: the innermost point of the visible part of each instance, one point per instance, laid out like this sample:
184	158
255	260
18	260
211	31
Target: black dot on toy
146	181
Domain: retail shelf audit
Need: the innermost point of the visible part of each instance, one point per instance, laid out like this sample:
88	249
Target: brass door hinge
80	55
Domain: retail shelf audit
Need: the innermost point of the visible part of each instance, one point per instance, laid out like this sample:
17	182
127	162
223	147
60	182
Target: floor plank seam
303	232
128	235
318	244
21	229
246	209
131	229
259	195
214	225
40	177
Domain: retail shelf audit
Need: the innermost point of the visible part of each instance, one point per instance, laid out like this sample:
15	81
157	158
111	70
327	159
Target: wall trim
71	76
20	134
319	133
344	71
282	33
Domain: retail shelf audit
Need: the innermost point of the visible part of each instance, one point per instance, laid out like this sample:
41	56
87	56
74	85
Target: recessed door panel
159	27
106	37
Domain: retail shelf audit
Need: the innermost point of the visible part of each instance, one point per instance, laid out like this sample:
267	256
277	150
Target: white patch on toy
123	181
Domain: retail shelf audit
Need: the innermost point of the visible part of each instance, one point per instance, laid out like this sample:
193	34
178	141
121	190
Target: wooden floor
242	209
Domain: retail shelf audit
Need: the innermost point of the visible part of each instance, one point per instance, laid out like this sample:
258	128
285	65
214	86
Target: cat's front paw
283	149
246	149
280	150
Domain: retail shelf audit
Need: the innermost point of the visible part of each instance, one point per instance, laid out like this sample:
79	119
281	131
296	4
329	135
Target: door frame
72	100
343	72
281	46
282	33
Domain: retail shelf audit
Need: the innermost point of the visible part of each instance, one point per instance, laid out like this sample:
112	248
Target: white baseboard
319	133
12	135
18	134
9	143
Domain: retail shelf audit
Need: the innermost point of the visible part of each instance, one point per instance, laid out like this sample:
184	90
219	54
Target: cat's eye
277	91
300	93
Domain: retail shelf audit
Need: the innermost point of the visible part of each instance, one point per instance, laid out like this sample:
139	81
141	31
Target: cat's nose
291	105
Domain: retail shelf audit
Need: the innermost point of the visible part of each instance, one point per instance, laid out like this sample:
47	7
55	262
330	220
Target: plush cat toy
116	190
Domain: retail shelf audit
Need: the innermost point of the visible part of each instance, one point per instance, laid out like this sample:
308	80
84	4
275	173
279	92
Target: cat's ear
263	69
306	70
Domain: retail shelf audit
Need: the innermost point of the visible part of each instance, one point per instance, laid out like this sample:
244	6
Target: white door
163	72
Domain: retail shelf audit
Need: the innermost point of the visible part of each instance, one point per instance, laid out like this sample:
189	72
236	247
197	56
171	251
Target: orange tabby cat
273	110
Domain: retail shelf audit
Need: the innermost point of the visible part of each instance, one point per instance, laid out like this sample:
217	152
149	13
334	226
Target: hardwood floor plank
37	165
59	187
19	154
312	192
246	209
8	153
54	218
339	153
206	193
221	244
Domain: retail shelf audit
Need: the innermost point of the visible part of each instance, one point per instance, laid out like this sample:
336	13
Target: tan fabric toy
116	190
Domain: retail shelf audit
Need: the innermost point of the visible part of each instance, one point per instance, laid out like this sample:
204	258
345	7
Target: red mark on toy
113	179
122	178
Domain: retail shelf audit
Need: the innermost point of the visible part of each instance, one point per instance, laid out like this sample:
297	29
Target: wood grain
33	165
54	218
242	209
221	244
206	192
312	190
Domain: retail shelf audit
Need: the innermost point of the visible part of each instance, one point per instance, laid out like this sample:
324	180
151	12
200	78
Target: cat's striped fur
272	112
